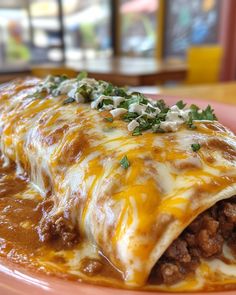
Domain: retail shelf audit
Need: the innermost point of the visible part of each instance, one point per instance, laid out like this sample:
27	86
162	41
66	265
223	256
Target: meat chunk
208	239
170	273
203	238
178	251
59	231
226	227
210	225
209	245
230	212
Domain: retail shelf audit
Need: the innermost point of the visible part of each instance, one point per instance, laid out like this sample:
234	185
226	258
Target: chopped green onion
125	162
195	147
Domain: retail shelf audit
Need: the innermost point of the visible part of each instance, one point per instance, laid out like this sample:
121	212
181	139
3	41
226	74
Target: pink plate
15	280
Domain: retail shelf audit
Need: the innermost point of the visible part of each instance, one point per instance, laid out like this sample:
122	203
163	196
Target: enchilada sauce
18	217
20	214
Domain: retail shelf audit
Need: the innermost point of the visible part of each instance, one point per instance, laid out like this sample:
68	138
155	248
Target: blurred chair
204	64
43	71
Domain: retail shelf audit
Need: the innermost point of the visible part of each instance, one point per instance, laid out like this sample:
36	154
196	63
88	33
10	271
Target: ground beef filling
57	230
203	238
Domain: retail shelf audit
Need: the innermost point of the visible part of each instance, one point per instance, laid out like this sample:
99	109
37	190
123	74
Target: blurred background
149	45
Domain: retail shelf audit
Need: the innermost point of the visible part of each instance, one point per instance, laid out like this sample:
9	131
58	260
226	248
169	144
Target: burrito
151	186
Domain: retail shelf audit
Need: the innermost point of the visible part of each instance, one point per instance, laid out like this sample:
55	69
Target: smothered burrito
106	185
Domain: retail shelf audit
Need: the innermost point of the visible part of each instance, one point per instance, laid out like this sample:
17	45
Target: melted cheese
131	215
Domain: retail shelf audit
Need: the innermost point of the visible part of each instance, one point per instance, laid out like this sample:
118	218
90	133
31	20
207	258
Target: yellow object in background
208	5
204	64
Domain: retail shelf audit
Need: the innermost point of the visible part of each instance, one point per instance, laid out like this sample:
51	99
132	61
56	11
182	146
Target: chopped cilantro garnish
162	116
125	162
124	104
107	101
108	90
81	76
207	114
147	113
145	123
62	78
120	92
162	105
150	109
180	104
69	100
129	116
85	91
195	147
137	97
137	131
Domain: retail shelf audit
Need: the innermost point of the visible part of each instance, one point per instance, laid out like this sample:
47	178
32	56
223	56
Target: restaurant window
14	35
47	42
87	26
138	32
189	23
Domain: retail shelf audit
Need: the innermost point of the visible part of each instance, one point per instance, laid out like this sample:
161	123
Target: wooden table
119	71
221	92
8	73
132	71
